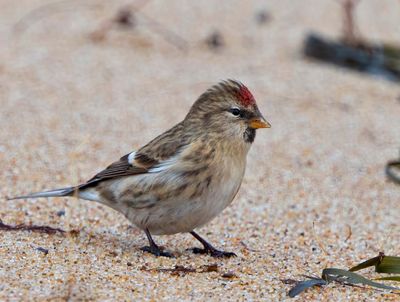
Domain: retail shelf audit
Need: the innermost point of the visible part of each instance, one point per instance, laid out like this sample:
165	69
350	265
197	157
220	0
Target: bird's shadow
119	243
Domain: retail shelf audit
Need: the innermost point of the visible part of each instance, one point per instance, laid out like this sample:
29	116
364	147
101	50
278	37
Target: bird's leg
209	249
154	248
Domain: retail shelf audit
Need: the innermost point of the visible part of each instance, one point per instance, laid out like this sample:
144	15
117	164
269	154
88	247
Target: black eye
235	111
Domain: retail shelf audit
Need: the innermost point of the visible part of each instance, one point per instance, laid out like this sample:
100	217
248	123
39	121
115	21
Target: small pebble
43	250
61	213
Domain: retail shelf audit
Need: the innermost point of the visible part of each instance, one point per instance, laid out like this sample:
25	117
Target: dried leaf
33	228
393	171
229	275
210	268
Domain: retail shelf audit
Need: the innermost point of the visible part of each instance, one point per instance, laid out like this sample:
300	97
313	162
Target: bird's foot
156	251
213	252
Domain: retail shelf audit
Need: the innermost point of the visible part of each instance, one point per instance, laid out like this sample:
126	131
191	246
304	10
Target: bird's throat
249	135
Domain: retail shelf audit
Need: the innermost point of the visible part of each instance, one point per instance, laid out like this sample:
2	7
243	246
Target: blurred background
85	82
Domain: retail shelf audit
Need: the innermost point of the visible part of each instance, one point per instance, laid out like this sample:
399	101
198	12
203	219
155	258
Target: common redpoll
184	177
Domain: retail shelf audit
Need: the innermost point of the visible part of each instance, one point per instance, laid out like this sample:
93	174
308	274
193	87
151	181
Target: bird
186	176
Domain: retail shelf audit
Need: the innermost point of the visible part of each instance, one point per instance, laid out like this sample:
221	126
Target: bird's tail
71	191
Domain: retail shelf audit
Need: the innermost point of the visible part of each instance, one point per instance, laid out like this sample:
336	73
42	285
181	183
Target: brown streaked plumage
186	176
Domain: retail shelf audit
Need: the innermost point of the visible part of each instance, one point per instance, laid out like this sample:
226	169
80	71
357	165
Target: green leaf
391	278
335	274
371	262
382	263
388	265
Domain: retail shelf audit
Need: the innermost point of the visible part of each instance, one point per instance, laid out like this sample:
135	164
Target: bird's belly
177	216
183	214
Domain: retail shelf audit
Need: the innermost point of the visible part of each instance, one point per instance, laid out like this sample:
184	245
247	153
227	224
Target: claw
209	249
157	252
213	252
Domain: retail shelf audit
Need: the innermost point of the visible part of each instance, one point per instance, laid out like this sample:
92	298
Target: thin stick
317	240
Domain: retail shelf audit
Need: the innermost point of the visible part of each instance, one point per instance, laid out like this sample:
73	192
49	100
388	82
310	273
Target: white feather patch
162	166
131	157
89	194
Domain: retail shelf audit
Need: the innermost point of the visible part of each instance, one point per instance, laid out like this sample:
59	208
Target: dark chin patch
249	135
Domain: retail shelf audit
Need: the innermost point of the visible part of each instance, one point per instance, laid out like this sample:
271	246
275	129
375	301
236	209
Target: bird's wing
155	157
125	166
130	164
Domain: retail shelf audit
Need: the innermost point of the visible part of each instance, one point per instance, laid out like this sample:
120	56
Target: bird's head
227	110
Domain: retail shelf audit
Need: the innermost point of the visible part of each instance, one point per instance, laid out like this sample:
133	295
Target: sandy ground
71	106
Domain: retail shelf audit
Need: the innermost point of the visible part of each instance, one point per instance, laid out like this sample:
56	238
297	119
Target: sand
70	106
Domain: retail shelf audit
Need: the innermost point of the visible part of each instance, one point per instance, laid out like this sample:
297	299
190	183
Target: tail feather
52	193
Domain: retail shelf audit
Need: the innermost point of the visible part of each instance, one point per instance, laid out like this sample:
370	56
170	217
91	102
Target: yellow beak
258	123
